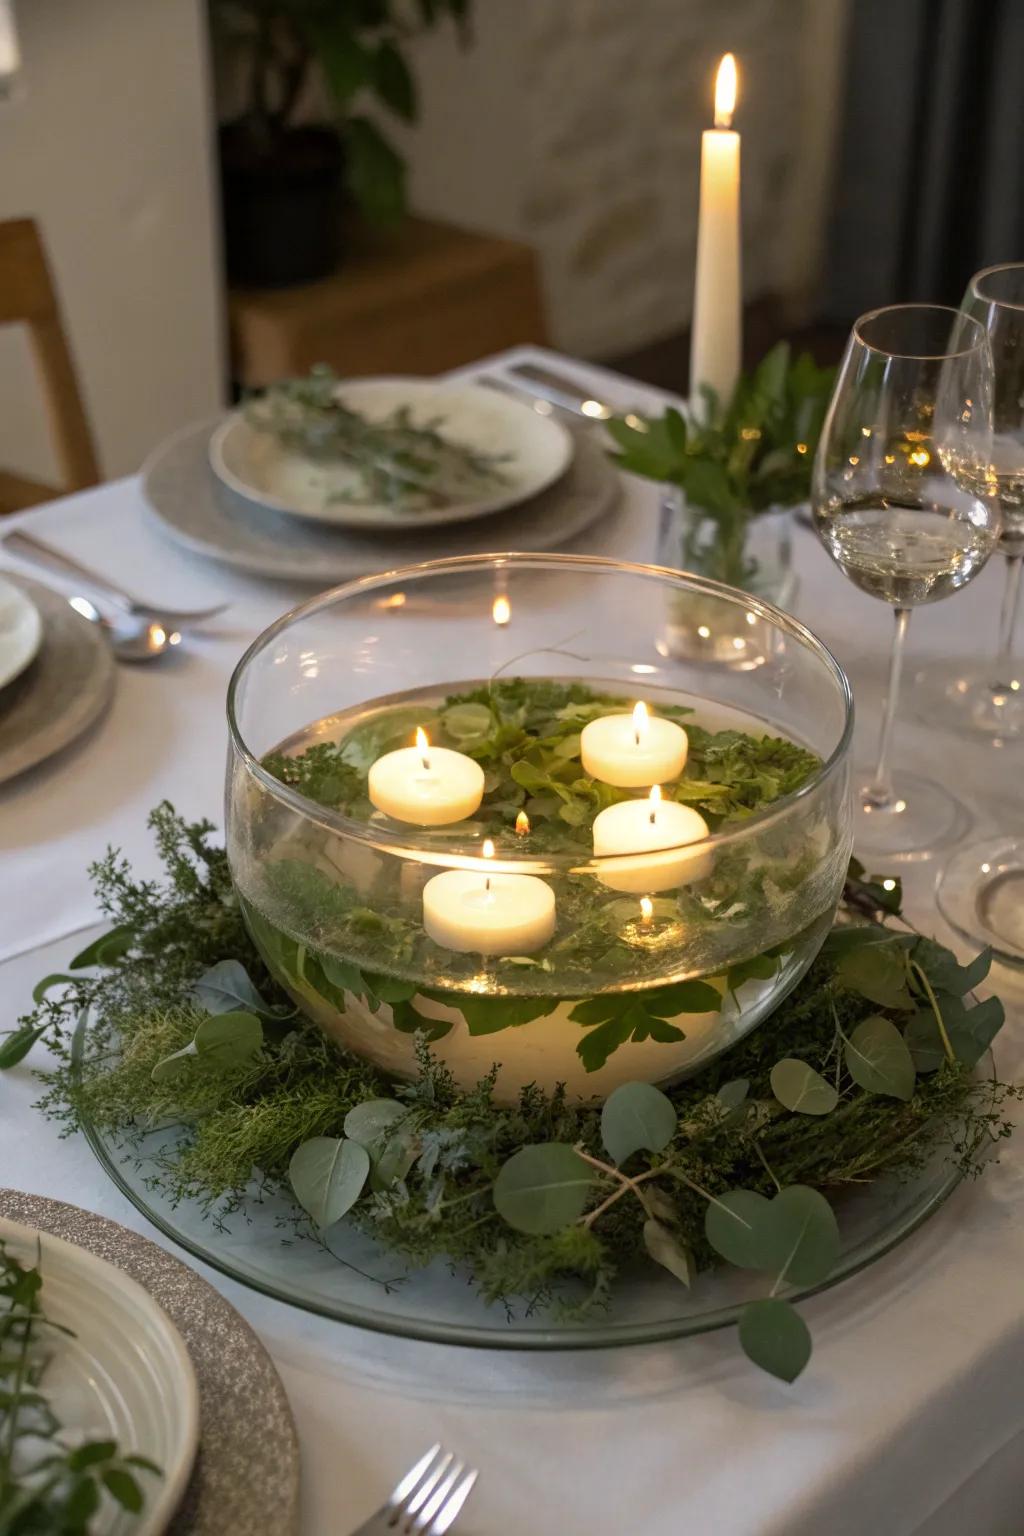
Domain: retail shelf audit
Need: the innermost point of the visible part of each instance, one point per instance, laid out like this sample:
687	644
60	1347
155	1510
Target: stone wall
575	124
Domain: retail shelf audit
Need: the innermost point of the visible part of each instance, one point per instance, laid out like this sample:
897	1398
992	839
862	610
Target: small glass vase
758	558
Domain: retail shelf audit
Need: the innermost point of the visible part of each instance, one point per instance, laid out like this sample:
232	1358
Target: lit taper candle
717	295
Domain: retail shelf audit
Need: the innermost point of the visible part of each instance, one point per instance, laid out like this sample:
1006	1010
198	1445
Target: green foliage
801	1089
775	1337
746	455
522	1195
359	49
877	1058
46	1483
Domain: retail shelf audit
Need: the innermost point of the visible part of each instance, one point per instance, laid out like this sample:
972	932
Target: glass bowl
657	961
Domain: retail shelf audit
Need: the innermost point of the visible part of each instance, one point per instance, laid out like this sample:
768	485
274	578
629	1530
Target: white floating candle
632	750
655	831
427	786
488	914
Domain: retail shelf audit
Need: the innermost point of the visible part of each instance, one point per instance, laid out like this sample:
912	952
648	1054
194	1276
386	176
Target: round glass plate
358	1282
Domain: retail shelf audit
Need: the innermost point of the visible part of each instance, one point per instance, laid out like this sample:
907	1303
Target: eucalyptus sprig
47	1483
746	455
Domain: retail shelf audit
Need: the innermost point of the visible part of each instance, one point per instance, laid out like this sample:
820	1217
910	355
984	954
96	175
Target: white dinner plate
535	451
21	631
125	1375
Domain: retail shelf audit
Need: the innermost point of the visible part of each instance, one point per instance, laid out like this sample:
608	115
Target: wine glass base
981	894
921	817
969	697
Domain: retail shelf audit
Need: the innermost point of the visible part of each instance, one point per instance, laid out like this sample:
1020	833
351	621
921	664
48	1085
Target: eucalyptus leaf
666	1249
227	1039
227	987
775	1337
804	1235
542	1188
467	723
369	1121
327	1175
636	1116
800	1088
736	1226
732	1094
877	972
877	1058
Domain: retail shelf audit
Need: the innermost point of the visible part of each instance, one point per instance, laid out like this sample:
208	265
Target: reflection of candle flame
640	718
522	824
422	743
725	92
488	853
654	801
646	909
501	610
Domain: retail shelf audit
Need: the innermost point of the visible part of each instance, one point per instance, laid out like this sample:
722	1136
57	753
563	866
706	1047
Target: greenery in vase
525	733
359	47
868	1068
747	455
47	1485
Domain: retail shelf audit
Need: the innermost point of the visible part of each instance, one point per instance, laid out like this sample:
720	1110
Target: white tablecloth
910	1417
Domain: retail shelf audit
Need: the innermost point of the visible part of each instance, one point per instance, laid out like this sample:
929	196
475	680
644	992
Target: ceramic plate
125	1375
203	515
21	630
535	451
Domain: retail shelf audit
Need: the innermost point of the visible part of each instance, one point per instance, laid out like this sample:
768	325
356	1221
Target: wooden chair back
27	297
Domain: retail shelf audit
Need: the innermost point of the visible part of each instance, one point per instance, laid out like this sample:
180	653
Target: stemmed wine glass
904	503
987	697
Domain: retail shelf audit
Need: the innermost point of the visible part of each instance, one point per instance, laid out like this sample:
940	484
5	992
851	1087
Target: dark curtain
929	178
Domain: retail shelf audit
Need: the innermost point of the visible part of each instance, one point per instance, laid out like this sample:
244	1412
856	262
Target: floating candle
427	786
656	832
630	751
469	911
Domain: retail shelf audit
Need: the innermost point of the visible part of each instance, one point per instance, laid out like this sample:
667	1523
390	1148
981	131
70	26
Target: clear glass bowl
335	902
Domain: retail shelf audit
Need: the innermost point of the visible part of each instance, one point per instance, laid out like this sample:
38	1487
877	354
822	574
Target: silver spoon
31	548
131	637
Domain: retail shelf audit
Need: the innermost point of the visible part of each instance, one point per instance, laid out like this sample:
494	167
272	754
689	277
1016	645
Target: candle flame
488	849
422	743
725	91
640	719
501	610
522	824
654	800
646	909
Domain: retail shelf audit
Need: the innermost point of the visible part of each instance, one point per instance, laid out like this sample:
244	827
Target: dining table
909	1417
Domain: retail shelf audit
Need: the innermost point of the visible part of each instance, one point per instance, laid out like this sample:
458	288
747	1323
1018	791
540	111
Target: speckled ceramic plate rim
246	1476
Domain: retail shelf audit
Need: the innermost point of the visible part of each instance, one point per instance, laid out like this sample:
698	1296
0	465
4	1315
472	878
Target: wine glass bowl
904	501
335	902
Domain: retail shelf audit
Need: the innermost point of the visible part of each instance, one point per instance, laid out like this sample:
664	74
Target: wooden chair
27	297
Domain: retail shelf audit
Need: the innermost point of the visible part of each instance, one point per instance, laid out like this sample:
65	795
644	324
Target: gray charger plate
206	517
246	1476
61	692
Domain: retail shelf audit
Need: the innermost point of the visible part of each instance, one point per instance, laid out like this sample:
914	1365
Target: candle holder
504	659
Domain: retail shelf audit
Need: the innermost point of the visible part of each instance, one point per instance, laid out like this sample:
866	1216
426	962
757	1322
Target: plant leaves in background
878	1059
636	1116
327	1175
376	174
227	987
666	1249
800	1088
18	1043
775	1337
106	950
393	82
542	1188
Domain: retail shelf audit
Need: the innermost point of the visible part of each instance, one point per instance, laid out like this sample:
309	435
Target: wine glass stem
880	792
1008	612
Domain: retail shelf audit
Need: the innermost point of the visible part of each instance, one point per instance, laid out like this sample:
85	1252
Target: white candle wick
488	852
725	91
640	719
422	743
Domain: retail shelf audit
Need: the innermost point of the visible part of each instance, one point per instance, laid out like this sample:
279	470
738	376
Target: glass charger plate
358	1282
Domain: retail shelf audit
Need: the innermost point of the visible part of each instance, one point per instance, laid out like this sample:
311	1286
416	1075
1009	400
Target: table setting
575	1058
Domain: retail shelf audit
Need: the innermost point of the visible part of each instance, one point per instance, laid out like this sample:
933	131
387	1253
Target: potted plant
283	181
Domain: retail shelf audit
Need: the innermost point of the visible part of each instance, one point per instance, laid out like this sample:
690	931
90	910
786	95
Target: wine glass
904	502
987	697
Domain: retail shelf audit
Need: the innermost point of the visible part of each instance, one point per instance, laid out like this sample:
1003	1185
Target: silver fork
428	1499
30	548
